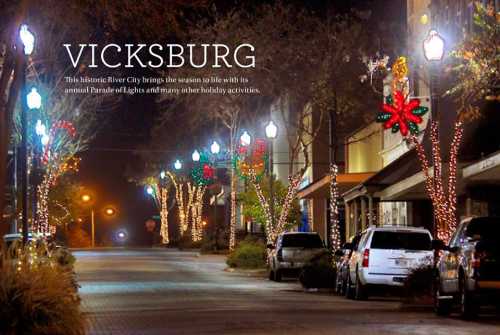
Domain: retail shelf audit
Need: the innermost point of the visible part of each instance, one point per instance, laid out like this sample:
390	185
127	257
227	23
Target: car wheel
277	275
468	305
271	275
441	306
339	288
360	290
349	290
343	286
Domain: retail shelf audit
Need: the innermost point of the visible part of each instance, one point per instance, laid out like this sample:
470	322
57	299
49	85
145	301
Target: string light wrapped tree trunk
163	192
441	190
334	208
197	212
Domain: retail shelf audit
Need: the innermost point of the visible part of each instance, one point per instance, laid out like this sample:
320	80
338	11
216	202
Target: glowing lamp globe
271	130
149	190
178	165
45	139
34	99
40	128
195	156
27	38
86	198
215	148
433	46
110	211
162	174
245	139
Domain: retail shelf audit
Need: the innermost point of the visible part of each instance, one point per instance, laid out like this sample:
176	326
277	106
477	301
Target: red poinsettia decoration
208	171
400	115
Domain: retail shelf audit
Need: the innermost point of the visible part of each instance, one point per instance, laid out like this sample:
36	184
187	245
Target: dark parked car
293	250
468	270
342	264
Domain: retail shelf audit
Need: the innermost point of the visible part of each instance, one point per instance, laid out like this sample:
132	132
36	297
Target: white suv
385	255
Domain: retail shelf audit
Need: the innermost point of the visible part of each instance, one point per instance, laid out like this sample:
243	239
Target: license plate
401	262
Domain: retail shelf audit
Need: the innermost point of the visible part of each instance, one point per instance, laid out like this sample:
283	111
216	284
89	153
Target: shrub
38	296
318	272
419	281
249	254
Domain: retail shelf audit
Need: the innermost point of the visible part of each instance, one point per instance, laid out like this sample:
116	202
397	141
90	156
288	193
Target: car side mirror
339	253
270	246
438	245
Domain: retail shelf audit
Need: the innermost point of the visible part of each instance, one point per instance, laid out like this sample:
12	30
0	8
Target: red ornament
208	172
401	115
242	150
260	147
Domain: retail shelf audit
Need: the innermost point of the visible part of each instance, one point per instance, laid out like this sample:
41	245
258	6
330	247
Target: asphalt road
148	291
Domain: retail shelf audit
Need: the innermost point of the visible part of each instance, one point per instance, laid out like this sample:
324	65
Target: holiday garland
203	172
251	160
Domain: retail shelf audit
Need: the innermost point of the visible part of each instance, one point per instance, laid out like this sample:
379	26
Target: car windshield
485	228
302	241
401	240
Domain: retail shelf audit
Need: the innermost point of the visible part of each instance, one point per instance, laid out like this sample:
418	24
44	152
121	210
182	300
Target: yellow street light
109	211
86	198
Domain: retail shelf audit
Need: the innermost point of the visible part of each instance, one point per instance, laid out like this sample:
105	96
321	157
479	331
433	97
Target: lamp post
433	46
28	41
215	150
86	198
271	134
34	101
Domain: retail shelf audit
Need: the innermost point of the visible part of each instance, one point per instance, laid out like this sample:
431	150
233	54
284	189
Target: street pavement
157	291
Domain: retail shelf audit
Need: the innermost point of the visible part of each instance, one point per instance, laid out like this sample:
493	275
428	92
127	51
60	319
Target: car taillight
279	255
366	258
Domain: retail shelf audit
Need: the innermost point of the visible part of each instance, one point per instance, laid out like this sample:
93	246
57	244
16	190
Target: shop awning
320	189
487	169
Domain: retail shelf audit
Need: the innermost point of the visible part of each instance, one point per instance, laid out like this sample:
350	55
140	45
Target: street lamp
195	156
34	99
271	134
27	38
87	198
149	190
215	148
40	128
433	46
109	211
178	165
271	130
163	174
245	139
